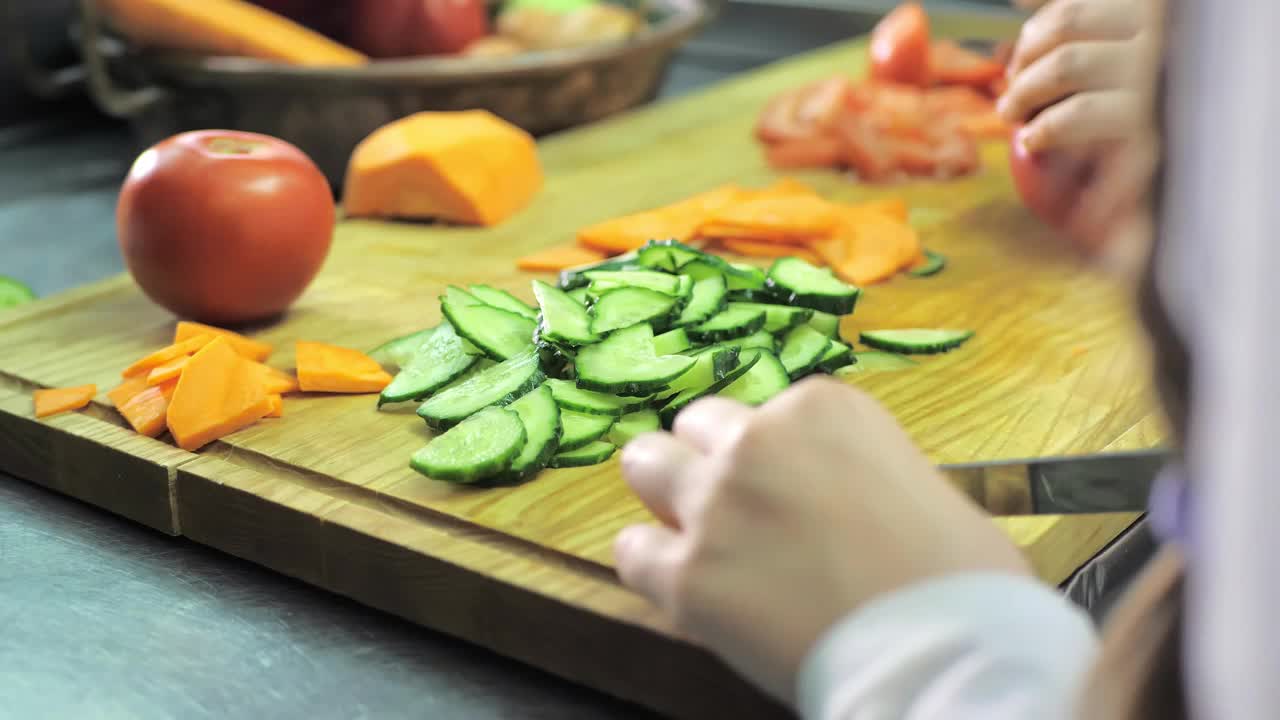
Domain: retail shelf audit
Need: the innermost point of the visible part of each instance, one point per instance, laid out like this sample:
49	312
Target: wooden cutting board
325	493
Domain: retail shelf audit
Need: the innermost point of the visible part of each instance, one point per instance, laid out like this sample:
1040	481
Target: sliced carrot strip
218	393
167	371
52	401
776	215
278	382
673	222
753	248
277	406
185	346
148	410
559	257
329	368
247	347
894	207
123	392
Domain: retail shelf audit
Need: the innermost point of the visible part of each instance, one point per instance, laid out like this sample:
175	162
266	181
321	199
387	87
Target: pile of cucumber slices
615	350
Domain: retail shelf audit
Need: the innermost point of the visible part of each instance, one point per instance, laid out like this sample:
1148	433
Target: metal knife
1099	483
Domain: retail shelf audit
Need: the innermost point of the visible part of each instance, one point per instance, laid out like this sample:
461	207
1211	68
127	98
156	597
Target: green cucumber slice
799	283
480	446
837	356
877	360
625	363
502	300
499	333
581	295
915	340
826	323
761	339
656	281
572	278
578	429
802	349
672	342
733	322
590	454
746	277
766	378
397	352
541	419
571	397
933	264
708	368
440	358
501	384
458	296
667	415
632	424
667	255
707	298
627	306
564	320
14	293
780	318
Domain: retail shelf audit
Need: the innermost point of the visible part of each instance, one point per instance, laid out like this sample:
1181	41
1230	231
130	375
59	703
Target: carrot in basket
329	368
559	257
218	393
52	401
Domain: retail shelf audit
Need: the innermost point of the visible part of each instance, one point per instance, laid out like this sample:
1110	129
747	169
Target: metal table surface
105	619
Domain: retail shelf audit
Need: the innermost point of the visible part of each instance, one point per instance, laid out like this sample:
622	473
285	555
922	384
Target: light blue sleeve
965	647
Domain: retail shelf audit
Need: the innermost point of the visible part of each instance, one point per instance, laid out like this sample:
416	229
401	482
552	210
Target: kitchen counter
108	619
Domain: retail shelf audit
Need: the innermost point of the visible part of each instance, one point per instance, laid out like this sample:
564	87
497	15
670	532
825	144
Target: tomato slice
900	46
951	64
806	111
819	151
865	149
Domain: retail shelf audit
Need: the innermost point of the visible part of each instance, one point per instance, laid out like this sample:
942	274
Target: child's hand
778	521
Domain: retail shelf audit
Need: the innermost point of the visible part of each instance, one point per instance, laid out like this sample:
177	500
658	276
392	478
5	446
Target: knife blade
1068	485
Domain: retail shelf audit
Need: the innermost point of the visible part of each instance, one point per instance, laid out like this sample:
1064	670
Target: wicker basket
327	111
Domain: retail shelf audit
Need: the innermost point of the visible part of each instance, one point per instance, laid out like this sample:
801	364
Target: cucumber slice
837	356
733	322
501	384
799	283
708	368
780	318
572	278
876	360
632	424
826	323
656	281
591	454
499	333
707	298
564	320
932	265
578	429
667	415
440	358
14	293
541	419
628	306
581	295
481	446
667	255
670	343
502	300
761	339
746	277
397	352
571	397
458	296
764	296
802	349
766	378
625	363
915	340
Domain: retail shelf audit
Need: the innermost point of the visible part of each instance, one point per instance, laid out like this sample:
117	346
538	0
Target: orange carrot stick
52	401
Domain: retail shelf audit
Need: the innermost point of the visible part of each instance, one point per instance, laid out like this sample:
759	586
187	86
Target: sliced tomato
865	149
957	155
819	151
913	156
806	111
957	99
951	64
900	46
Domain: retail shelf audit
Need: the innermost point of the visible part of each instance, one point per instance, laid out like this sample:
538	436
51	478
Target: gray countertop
106	619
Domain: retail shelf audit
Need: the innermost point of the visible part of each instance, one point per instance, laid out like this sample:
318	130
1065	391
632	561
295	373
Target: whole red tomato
900	46
405	28
1049	183
224	226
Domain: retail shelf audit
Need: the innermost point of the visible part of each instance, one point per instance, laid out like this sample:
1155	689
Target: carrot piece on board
168	371
52	401
277	406
894	207
753	248
467	166
217	394
179	348
277	382
559	257
678	221
131	386
819	151
148	410
775	217
329	368
869	246
247	347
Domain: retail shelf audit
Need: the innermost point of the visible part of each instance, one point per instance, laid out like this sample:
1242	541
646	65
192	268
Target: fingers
655	465
1066	70
648	561
1084	119
1069	21
709	422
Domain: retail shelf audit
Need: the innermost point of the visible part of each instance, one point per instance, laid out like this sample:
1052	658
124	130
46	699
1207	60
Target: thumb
649	559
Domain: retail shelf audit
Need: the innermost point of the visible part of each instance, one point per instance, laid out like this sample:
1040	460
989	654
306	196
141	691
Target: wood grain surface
325	494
